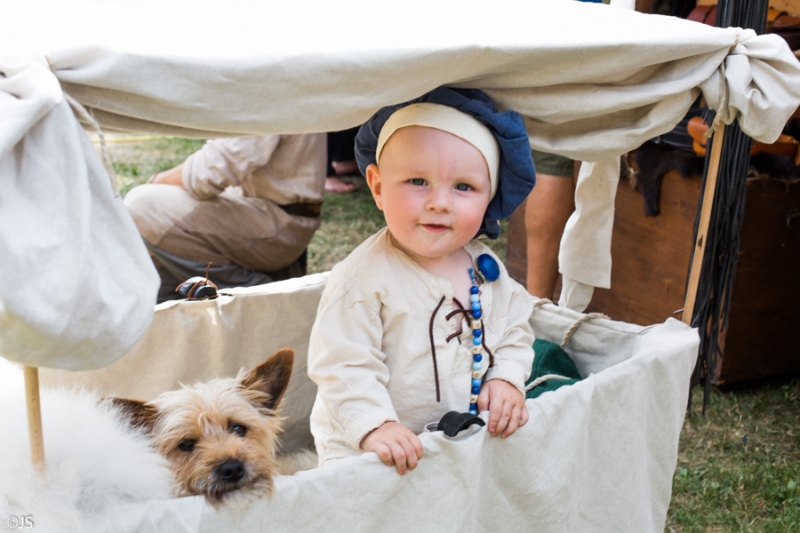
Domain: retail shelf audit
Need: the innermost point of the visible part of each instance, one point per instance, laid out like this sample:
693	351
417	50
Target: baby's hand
396	445
506	407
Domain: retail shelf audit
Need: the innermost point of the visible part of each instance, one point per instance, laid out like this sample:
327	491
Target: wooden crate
650	255
651	262
763	337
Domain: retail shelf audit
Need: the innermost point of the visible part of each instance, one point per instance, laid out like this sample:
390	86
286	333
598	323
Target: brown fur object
219	436
647	165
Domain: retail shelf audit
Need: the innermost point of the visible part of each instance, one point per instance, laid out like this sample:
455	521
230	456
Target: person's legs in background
547	210
341	160
247	241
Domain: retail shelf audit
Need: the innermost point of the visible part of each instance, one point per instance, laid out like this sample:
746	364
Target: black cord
723	240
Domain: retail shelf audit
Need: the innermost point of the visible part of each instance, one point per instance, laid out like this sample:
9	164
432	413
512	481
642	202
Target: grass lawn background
738	466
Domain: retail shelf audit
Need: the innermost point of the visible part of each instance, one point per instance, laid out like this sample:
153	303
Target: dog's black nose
231	470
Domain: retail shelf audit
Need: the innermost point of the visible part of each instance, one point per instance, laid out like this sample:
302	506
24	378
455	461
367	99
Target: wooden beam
702	230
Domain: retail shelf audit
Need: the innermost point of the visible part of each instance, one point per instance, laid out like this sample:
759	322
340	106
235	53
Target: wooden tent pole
34	417
702	229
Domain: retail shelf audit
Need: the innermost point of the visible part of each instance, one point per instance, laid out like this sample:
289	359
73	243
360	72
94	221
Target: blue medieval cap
516	175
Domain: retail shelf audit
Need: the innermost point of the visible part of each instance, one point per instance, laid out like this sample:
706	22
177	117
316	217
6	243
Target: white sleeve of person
346	362
513	355
222	163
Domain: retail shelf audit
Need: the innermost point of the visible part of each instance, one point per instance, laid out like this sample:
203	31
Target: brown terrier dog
219	436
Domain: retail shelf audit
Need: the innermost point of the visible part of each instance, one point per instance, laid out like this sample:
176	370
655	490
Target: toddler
421	319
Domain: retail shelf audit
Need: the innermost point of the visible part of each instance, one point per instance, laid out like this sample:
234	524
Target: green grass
135	162
738	467
347	219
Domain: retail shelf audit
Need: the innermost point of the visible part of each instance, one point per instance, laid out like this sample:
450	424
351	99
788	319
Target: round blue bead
476	390
476	382
477	357
488	267
474	298
476	306
476	341
477	314
474	290
477	332
477	365
473	412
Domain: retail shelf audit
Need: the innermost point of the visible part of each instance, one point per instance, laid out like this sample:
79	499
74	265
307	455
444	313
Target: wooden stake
702	229
34	417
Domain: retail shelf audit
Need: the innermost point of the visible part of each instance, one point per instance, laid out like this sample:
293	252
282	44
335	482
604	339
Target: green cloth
551	359
552	164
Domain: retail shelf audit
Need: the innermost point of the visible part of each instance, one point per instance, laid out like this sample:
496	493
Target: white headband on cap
450	120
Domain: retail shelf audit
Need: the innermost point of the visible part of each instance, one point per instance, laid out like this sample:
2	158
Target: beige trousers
251	232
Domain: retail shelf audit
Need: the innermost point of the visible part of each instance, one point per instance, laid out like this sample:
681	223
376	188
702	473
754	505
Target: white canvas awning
592	82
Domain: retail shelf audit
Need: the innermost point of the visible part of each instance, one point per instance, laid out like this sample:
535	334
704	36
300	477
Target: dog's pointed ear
138	414
271	377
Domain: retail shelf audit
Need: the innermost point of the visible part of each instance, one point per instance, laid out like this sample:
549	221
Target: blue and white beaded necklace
490	271
477	342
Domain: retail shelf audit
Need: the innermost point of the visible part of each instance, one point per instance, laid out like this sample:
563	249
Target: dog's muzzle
230	471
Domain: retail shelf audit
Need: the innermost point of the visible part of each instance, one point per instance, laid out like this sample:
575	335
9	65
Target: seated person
249	206
421	319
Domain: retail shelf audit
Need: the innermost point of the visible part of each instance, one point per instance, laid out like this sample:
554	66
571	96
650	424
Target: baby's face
433	189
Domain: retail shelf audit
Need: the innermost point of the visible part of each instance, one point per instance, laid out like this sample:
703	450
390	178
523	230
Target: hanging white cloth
591	81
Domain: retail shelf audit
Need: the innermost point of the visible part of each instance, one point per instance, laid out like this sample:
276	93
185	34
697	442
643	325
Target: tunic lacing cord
465	314
468	314
433	348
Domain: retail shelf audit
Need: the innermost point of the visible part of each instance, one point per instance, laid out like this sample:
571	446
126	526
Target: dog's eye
239	429
187	445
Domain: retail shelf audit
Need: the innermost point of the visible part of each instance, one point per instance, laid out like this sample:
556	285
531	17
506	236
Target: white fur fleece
94	462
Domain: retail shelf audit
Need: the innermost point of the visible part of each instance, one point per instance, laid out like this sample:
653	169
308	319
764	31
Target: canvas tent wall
597	456
590	88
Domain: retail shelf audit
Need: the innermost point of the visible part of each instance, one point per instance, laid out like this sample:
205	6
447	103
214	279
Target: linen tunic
370	348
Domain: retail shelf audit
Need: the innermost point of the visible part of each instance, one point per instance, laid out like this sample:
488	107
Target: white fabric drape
591	81
596	456
77	286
